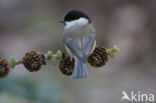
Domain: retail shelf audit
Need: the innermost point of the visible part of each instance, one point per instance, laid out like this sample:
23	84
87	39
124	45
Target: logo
137	97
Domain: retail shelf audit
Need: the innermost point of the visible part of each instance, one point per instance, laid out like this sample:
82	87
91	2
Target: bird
79	38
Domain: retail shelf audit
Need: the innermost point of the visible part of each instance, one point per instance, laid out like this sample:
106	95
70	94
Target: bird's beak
62	21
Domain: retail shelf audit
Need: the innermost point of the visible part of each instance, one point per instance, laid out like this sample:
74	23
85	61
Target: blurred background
33	25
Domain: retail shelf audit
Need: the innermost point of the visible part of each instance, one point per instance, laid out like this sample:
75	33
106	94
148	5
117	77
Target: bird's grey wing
81	49
88	44
74	45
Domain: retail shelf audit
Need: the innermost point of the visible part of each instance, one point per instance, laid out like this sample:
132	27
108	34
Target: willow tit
79	38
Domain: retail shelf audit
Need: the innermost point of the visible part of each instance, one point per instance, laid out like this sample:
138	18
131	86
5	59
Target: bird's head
75	16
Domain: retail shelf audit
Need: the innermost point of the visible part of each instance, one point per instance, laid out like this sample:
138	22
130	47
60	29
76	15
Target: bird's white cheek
70	24
79	22
82	21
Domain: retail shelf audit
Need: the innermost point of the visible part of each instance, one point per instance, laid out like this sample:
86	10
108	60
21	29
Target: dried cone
33	61
66	66
4	67
99	57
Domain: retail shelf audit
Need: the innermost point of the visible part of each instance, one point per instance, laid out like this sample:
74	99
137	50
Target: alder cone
4	67
99	57
33	61
66	66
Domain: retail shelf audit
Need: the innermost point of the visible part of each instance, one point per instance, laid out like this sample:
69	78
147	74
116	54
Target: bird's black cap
76	14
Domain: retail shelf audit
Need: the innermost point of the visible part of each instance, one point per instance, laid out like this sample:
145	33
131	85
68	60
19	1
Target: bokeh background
33	25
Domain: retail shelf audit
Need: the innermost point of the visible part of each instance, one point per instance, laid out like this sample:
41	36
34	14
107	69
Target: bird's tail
80	70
